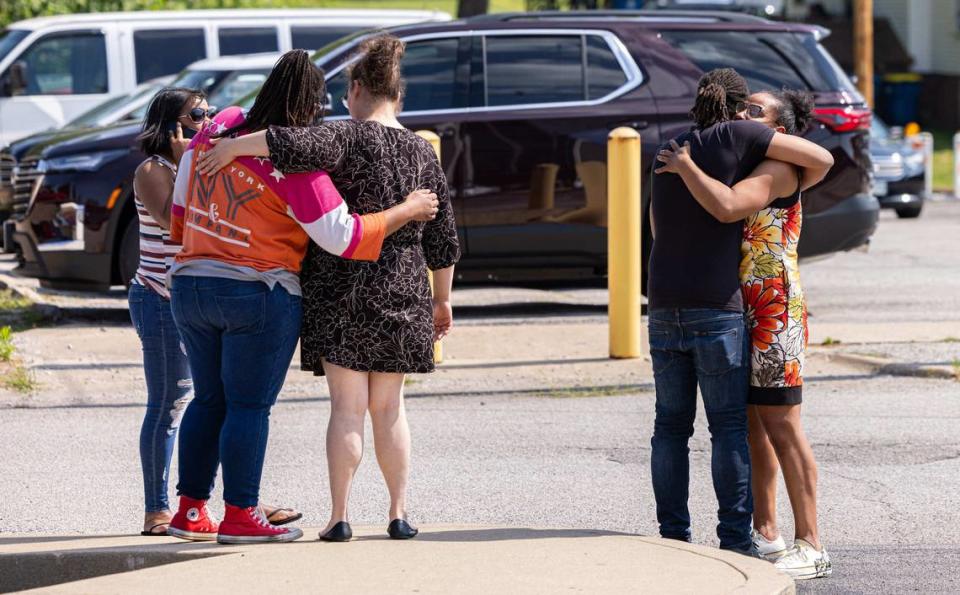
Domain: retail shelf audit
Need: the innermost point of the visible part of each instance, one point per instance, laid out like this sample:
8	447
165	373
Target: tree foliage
16	10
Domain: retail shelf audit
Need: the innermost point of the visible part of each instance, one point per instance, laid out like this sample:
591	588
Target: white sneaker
803	561
769	550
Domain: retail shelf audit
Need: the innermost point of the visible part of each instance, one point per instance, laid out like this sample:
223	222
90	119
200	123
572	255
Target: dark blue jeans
168	390
240	338
709	348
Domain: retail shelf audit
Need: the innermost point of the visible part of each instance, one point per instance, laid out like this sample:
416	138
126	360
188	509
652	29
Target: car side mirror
327	106
14	80
17	78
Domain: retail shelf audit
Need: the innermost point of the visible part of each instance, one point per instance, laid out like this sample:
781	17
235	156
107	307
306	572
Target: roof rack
652	15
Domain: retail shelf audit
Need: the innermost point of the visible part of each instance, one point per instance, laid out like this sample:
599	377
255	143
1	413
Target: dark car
523	104
899	171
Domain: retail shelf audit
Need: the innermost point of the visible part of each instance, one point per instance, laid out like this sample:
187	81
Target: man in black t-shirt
698	335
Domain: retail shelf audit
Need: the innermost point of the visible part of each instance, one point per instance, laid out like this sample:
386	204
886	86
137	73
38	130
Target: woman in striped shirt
169	386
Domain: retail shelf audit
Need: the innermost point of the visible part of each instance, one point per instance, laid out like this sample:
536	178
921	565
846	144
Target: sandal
152	533
294	516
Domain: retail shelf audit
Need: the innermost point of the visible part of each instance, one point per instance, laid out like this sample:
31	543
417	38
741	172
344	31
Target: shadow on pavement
511	534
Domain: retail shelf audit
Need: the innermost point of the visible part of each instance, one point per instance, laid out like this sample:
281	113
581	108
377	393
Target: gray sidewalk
443	559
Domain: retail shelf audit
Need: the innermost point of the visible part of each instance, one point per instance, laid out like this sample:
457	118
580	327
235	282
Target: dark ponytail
165	107
721	93
794	110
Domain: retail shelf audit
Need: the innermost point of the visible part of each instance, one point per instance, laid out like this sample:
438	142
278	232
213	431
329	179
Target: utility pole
471	8
863	47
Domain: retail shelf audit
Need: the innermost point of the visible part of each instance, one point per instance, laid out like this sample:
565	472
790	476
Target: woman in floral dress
769	200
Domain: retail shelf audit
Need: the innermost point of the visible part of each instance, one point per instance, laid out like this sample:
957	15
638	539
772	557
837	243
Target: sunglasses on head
197	115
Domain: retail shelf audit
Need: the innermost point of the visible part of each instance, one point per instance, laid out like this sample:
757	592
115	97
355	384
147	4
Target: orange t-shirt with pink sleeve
250	214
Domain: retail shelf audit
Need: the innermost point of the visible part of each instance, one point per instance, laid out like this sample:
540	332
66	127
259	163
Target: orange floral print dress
775	308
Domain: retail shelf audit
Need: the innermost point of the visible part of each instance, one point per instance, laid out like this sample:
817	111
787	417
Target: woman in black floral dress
366	324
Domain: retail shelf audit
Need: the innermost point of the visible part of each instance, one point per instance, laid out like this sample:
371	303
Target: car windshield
878	129
205	80
93	116
235	86
320	58
9	38
767	60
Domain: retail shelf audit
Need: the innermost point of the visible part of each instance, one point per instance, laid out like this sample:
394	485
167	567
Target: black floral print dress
370	316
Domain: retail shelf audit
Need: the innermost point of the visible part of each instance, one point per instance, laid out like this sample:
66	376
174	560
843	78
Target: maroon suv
523	104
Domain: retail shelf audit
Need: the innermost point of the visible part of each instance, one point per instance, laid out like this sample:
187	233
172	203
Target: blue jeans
240	338
710	348
168	390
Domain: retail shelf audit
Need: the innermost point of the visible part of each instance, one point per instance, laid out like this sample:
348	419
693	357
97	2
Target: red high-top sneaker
193	521
248	525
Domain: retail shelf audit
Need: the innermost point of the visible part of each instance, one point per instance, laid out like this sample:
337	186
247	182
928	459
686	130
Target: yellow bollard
623	242
434	140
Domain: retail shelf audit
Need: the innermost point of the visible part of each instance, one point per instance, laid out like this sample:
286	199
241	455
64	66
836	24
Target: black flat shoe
401	529
339	532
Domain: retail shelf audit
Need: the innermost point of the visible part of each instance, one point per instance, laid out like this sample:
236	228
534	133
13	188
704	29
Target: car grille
7	163
887	167
24	181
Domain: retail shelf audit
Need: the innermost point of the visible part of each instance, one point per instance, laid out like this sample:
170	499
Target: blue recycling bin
898	98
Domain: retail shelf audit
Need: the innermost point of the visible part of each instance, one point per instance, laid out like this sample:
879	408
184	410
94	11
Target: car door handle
446	133
639	124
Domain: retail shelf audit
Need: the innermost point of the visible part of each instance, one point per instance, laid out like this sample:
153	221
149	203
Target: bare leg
348	408
764	470
799	467
391	437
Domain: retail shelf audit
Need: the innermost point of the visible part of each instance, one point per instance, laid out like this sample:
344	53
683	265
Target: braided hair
291	96
794	110
721	93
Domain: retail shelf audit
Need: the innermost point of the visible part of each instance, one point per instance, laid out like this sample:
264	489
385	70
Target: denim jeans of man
240	338
168	390
709	348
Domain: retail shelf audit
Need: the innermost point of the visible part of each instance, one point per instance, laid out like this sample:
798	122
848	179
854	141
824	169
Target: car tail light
844	119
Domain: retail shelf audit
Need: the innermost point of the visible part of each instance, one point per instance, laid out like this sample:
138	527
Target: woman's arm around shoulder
814	159
767	182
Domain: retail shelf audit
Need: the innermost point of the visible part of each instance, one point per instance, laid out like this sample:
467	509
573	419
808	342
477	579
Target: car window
604	73
92	117
9	39
762	66
247	40
534	69
205	80
66	64
430	69
235	86
336	89
315	37
159	52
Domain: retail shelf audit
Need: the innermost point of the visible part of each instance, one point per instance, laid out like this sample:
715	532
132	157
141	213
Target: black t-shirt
695	259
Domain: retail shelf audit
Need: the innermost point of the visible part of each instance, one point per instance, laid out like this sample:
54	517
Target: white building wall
944	35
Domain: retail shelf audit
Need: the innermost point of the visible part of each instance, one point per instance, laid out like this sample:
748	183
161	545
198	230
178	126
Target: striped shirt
157	251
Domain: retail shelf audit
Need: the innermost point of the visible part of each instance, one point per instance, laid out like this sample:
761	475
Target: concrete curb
889	367
444	559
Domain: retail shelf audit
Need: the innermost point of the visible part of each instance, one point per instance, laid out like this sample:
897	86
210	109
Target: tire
909	212
128	256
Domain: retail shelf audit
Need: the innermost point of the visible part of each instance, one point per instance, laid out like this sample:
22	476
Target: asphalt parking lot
888	446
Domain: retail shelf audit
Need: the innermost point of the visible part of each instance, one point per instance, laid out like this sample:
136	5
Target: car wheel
909	212
128	258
